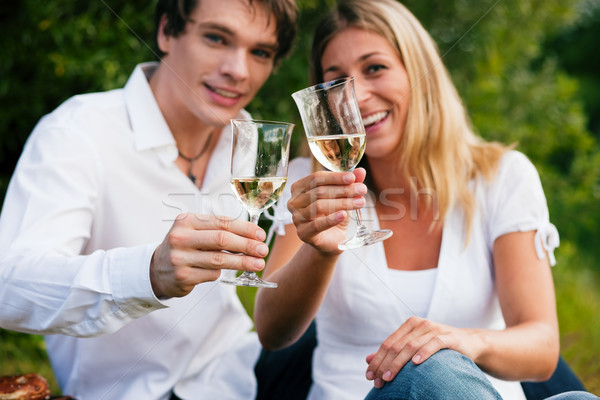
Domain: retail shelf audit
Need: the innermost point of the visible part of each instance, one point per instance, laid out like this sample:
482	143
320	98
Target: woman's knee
446	374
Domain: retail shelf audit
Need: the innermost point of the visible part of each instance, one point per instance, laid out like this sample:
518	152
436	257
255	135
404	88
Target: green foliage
60	48
578	306
274	100
516	93
576	50
526	69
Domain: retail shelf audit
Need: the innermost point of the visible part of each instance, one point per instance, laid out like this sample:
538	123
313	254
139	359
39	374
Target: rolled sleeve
518	204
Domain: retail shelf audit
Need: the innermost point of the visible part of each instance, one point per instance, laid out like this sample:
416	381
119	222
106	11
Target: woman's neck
385	175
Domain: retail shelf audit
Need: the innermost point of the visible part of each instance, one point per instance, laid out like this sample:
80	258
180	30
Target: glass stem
362	229
254	216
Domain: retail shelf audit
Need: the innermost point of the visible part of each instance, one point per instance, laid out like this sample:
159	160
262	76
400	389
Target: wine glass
259	167
336	137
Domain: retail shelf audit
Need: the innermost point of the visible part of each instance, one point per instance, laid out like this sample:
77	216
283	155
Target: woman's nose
361	90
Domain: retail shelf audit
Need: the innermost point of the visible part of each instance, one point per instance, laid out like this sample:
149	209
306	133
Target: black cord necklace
191	160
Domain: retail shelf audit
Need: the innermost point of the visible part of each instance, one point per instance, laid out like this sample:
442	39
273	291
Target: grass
578	304
23	354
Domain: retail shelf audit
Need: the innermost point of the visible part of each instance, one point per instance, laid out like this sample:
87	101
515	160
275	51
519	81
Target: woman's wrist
326	255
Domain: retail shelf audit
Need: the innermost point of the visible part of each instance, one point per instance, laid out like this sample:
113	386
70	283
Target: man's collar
150	130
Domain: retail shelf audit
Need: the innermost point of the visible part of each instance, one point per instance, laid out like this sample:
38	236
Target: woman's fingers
417	339
315	226
325	207
324	193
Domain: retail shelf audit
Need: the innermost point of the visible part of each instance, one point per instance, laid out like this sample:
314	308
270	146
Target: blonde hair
438	146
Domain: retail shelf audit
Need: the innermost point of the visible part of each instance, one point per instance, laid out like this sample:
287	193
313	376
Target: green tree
53	50
516	93
526	69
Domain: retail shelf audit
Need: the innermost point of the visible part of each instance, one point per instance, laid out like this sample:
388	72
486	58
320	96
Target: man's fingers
193	232
213	260
360	174
237	226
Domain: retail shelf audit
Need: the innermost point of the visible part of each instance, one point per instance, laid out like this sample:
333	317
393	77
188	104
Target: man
114	223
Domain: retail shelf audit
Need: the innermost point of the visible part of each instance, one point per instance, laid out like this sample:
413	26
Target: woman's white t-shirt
364	303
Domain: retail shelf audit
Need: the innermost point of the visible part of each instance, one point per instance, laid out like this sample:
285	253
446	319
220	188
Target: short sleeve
516	203
298	168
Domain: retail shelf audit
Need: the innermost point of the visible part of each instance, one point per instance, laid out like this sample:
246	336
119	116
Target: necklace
192	159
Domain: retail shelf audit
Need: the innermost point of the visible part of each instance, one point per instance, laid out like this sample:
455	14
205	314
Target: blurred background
528	72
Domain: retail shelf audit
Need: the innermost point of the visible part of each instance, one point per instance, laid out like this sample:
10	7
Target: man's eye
263	53
211	37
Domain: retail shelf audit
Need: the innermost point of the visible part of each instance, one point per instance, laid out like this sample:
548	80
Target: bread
24	387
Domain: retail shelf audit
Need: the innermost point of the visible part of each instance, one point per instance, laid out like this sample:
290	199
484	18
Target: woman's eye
330	77
375	68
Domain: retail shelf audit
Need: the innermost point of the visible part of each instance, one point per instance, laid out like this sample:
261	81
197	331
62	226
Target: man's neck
190	132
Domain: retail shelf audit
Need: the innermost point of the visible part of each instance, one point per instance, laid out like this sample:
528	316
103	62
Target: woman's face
380	81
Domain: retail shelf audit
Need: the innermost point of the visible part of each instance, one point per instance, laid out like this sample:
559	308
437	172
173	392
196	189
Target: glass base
365	239
249	279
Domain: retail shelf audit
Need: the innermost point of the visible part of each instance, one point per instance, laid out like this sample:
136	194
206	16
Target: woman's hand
416	340
197	247
320	203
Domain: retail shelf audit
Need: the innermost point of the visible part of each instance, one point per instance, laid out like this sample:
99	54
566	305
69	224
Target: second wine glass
259	166
336	137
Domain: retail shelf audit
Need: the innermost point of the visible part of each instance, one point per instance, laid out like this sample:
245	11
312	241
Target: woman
470	222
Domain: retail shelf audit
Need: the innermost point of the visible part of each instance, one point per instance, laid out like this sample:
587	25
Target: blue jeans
445	375
286	374
575	395
448	375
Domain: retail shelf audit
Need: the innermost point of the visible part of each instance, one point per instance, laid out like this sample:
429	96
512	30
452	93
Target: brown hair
178	14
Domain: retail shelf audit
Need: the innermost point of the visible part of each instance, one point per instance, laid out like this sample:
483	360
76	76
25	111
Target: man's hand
197	247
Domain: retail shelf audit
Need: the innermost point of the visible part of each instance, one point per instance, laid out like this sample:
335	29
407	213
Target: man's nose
235	64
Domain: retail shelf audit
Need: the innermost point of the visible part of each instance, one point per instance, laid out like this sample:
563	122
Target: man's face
221	60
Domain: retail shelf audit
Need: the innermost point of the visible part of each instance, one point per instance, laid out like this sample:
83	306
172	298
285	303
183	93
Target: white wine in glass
338	152
259	166
258	194
336	137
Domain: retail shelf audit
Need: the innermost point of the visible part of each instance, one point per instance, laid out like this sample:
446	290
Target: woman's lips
372	121
374	118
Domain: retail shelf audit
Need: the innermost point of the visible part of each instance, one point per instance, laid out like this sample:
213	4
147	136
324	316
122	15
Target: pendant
191	176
